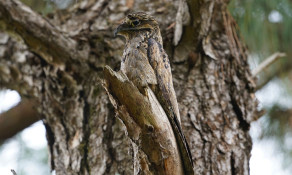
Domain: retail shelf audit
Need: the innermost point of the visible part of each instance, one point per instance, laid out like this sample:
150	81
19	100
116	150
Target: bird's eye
136	22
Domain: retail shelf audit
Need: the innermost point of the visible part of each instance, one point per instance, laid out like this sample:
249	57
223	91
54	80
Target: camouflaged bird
146	64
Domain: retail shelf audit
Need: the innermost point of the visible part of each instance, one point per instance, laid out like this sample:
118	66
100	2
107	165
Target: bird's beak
121	28
117	30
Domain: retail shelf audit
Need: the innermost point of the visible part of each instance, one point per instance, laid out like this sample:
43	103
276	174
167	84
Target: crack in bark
203	68
51	141
108	137
232	164
86	131
242	122
66	131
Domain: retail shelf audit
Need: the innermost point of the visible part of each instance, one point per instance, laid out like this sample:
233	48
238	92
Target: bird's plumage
146	64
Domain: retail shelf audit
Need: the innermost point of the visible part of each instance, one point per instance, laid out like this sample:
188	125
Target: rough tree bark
58	61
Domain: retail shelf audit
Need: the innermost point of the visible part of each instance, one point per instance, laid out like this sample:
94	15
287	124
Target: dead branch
145	120
276	71
267	62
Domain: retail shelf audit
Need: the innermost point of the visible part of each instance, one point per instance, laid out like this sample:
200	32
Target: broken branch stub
146	122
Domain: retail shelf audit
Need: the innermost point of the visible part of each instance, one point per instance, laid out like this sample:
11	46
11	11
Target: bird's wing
136	66
166	96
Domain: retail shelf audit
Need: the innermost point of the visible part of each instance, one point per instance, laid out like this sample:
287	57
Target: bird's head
136	23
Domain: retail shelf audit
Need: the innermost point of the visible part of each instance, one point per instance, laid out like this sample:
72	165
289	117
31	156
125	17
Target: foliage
265	25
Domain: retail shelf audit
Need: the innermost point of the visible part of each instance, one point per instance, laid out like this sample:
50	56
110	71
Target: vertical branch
146	122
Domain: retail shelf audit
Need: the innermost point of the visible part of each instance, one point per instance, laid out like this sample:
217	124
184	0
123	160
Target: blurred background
265	27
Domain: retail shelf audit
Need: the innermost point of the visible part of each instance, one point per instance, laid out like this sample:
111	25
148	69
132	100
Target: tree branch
267	77
145	120
17	119
267	62
38	33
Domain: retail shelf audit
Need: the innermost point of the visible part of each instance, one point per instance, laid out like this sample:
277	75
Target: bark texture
58	61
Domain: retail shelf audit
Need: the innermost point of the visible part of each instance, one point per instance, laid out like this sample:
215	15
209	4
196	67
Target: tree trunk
59	61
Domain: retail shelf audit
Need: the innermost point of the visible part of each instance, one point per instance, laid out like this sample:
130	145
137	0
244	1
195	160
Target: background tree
59	65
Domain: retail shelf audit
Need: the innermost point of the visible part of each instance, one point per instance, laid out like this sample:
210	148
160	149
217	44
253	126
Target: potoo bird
146	64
